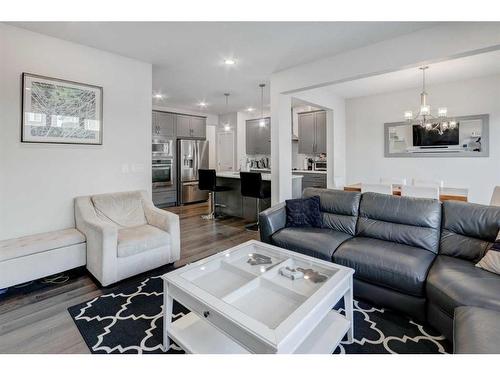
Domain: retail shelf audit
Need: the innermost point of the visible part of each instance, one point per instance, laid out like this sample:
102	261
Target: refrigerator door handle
196	157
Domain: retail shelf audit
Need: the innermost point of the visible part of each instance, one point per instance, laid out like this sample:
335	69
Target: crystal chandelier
424	117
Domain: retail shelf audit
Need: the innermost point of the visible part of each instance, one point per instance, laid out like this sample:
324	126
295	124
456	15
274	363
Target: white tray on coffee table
237	307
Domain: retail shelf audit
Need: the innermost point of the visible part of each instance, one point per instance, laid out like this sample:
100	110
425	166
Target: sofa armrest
272	220
168	222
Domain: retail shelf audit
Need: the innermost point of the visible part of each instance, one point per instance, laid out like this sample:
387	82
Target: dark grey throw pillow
303	212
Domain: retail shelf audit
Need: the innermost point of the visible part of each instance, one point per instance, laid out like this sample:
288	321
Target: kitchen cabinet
258	138
191	126
312	132
164	197
310	179
163	124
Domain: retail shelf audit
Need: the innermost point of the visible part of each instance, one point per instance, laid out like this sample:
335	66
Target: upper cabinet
312	132
163	124
191	126
258	138
167	124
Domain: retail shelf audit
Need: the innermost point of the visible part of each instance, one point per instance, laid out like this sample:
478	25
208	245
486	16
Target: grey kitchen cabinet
199	127
307	137
320	125
163	124
164	197
191	126
258	138
312	132
317	180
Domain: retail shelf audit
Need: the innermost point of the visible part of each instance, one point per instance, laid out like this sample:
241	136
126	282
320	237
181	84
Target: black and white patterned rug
128	319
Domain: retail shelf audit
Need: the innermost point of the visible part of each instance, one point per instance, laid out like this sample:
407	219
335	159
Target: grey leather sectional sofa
413	255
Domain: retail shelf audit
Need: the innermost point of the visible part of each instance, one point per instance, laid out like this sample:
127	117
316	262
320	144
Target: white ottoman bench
32	257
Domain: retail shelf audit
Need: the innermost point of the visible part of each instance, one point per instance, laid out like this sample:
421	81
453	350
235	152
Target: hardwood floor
38	322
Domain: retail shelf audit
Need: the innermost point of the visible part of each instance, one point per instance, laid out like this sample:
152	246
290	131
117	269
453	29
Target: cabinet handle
206	314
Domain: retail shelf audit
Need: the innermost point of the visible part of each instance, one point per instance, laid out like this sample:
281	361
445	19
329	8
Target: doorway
225	151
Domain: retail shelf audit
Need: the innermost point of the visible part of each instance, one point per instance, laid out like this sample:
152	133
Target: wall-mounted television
432	138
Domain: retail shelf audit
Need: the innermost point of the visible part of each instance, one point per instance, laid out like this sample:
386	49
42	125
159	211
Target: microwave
319	165
162	147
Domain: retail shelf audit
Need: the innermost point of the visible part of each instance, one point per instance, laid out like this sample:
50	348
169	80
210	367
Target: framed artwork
59	111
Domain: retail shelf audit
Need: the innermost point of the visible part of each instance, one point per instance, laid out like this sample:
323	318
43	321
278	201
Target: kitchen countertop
265	176
307	171
267	170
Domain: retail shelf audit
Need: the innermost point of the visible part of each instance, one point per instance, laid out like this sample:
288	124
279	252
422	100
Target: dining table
445	193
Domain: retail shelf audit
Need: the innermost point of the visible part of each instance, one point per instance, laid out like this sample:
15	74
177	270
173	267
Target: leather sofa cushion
454	282
476	331
132	241
316	242
339	208
122	209
400	267
468	229
410	221
38	243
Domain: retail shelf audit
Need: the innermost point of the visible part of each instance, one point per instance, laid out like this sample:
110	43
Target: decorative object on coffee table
255	259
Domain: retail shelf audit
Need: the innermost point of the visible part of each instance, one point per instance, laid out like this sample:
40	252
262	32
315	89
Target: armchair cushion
123	209
135	240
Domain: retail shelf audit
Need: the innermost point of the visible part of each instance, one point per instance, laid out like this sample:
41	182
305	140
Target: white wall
365	137
39	181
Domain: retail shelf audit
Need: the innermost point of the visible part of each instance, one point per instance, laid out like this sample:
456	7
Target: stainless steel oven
162	147
163	172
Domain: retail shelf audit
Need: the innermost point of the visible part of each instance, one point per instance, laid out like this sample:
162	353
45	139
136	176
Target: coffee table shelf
188	330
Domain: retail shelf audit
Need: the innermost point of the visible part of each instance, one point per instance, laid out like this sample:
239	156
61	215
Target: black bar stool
207	180
252	186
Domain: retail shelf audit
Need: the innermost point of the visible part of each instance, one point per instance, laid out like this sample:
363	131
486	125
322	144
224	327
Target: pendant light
227	125
440	123
262	122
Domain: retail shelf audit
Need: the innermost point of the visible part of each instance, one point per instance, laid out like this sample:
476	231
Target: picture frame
59	111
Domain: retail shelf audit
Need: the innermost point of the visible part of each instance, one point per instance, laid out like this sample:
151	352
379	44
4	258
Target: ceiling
480	65
188	57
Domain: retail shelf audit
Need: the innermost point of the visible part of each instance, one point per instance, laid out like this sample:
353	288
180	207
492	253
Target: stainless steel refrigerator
191	156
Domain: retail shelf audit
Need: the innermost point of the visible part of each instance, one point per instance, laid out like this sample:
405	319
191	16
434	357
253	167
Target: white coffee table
237	307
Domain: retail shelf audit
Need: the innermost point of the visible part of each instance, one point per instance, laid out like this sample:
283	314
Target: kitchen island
234	204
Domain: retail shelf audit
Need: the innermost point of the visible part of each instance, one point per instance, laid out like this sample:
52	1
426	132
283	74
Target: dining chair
433	183
495	198
431	192
393	181
377	188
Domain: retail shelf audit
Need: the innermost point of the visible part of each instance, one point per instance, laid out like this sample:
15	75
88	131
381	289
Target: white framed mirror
469	137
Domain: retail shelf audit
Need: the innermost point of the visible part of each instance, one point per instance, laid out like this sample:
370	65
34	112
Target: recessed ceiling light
158	96
202	104
250	109
229	61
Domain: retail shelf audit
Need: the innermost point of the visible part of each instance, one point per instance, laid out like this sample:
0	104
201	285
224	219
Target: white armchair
126	234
